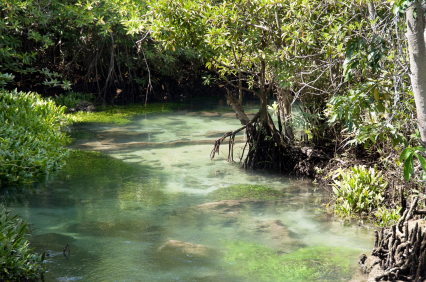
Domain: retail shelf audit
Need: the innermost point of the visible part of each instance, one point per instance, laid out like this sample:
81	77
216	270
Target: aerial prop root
231	136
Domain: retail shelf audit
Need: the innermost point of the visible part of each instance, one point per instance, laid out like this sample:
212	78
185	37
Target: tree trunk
236	106
417	50
240	88
284	104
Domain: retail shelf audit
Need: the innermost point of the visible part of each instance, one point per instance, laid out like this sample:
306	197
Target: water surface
118	210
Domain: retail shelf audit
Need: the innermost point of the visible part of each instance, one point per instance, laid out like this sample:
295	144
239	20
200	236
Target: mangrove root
401	250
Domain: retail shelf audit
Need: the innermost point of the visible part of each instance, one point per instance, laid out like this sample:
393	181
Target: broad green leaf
408	168
421	160
406	153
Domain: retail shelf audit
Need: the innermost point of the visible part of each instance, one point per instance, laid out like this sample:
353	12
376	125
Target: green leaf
406	153
408	168
421	160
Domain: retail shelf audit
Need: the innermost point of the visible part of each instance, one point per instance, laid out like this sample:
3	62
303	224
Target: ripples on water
119	209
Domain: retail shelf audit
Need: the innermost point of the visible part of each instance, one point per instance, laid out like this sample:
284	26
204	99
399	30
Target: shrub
17	261
70	99
358	190
31	143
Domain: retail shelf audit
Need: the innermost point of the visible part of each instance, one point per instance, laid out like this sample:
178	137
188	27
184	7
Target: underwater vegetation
246	192
260	263
122	114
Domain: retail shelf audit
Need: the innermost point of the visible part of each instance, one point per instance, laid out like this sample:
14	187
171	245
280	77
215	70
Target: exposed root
265	147
401	250
231	136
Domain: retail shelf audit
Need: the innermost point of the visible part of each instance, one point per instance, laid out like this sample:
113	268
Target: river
140	210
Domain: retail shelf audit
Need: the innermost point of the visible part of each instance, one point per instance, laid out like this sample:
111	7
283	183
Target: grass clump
17	261
306	264
246	192
122	114
358	190
31	141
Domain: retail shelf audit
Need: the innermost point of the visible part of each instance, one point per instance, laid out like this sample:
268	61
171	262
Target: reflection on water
140	211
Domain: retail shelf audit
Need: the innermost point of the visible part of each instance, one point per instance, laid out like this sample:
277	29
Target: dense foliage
86	46
31	140
17	261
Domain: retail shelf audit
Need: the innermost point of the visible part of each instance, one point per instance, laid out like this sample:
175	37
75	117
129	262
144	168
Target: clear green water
118	209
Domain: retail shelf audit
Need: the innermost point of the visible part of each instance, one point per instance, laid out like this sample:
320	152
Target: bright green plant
5	78
358	190
407	157
17	261
31	141
387	217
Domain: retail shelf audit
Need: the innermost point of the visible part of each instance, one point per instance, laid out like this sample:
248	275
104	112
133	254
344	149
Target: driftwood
401	251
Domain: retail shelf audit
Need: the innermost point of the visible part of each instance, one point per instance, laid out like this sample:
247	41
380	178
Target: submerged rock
209	114
214	133
229	115
203	114
133	229
175	247
228	208
179	254
280	236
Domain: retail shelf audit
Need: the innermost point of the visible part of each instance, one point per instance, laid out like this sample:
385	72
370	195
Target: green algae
122	114
91	176
97	167
246	192
82	134
260	263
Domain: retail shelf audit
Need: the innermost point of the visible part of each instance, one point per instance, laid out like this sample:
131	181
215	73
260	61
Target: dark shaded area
130	229
77	260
